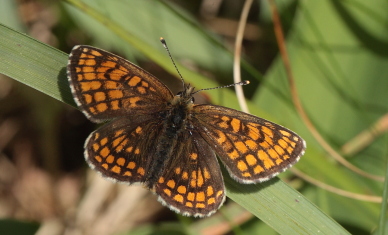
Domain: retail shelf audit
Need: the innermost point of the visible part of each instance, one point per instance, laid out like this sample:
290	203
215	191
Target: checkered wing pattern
106	86
252	149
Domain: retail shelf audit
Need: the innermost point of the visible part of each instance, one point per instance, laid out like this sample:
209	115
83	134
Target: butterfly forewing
192	183
106	86
253	149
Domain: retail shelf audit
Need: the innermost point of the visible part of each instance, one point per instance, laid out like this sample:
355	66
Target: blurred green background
338	53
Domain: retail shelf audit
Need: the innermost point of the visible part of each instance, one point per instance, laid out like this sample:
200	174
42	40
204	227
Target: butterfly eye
192	99
179	93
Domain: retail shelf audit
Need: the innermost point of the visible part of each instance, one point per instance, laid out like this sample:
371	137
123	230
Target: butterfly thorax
176	120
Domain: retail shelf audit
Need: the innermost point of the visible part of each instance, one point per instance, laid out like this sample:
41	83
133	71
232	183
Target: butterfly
168	143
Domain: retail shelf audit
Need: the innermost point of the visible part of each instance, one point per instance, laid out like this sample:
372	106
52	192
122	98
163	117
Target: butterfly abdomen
174	121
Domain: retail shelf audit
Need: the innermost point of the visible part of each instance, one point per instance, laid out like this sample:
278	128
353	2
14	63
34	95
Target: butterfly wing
122	149
252	149
192	183
106	86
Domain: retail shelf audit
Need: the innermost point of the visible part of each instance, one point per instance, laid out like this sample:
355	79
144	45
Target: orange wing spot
251	160
200	197
117	141
116	169
114	58
194	174
90	62
105	166
200	178
117	74
171	184
144	84
267	131
122	68
131	165
127	173
290	150
242	166
139	130
219	193
282	143
96	136
193	156
115	105
88	98
211	200
177	170
80	77
96	147
285	133
115	94
209	191
221	137
191	196
108	64
141	171
132	101
95	53
258	169
99	96
285	157
137	151
102	107
235	125
141	90
181	189
178	198
263	156
233	155
246	174
206	173
77	69
111	85
253	133
185	175
223	125
110	159
121	146
264	145
87	86
224	118
129	149
90	76
104	152
152	89
92	110
189	204
278	161
295	138
269	140
279	150
251	144
102	70
87	69
241	147
273	154
161	180
193	183
119	132
167	192
98	158
81	62
120	161
134	81
200	205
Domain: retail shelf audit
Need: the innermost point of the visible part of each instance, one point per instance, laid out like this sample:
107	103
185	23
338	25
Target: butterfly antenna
173	62
246	82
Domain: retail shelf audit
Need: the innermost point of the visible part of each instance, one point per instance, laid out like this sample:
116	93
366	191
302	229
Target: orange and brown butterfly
168	143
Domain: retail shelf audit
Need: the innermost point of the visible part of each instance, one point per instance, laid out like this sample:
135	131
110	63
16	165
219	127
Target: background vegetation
337	53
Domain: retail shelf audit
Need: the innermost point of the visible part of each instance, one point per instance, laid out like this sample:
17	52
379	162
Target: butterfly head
186	96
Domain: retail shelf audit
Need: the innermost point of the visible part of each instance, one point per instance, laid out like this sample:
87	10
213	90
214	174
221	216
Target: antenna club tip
245	82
